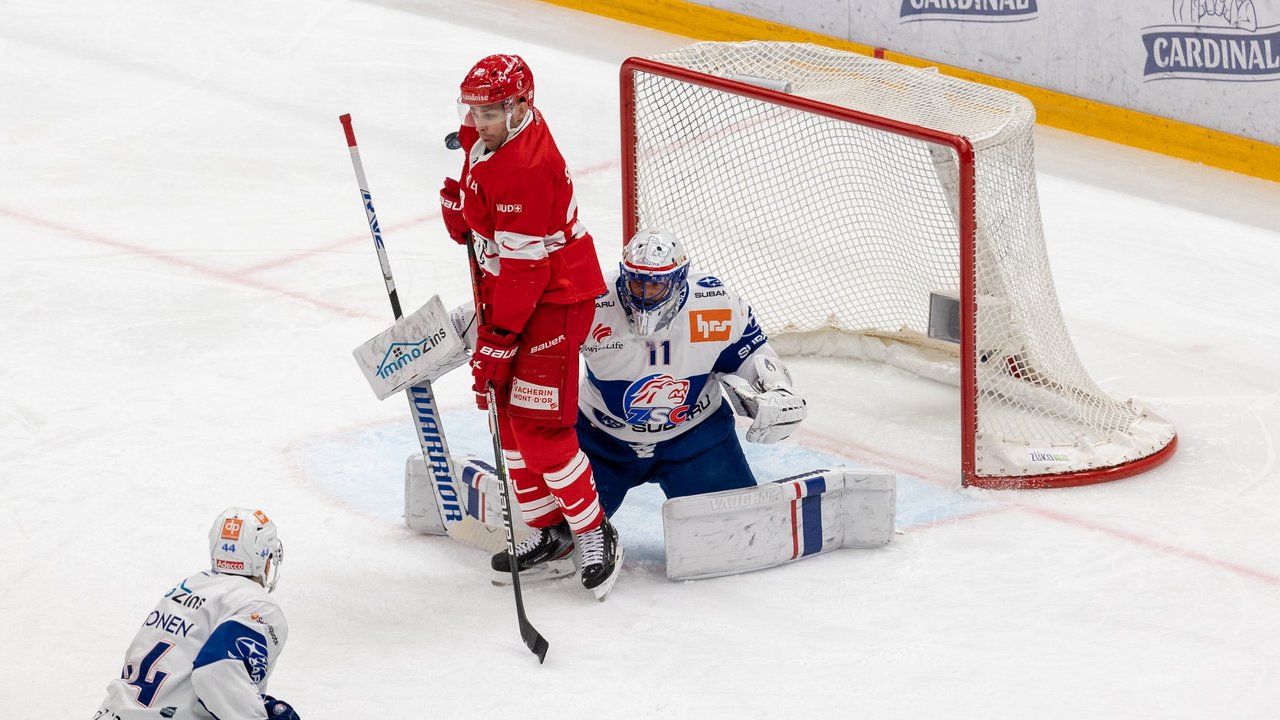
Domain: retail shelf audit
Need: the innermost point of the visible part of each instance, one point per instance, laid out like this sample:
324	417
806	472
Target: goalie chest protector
653	388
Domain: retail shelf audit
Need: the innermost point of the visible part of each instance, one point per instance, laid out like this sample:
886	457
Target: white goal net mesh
832	228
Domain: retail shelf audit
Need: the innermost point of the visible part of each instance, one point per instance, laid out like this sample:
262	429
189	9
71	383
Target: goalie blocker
710	535
419	347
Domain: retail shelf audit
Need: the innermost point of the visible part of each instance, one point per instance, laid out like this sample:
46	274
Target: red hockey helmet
497	78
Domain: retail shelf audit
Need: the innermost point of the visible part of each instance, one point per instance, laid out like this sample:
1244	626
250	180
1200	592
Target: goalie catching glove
774	408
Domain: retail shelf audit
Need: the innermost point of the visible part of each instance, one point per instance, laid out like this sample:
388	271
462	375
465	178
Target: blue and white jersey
205	651
654	388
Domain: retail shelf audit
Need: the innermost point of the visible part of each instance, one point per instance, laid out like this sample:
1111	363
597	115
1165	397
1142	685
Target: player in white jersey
207	649
651	408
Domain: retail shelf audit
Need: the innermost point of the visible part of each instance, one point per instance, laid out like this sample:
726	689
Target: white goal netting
837	220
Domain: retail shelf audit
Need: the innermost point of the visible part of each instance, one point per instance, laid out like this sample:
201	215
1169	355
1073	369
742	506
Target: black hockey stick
532	638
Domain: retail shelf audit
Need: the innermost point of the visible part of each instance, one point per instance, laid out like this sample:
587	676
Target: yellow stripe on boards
1054	109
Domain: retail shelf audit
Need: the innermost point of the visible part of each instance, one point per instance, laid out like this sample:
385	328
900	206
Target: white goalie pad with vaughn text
420	346
479	494
735	531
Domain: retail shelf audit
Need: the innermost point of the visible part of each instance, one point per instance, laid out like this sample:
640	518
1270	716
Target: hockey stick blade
533	639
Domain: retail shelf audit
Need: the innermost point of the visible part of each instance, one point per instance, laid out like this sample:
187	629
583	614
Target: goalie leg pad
421	509
736	531
868	504
480	495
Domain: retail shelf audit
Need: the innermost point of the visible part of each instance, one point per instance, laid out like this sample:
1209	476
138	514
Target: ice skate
601	558
546	554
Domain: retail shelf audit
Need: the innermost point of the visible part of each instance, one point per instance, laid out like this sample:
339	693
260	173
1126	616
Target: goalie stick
422	401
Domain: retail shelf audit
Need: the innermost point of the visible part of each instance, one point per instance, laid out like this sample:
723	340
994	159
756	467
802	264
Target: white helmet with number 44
244	542
653	279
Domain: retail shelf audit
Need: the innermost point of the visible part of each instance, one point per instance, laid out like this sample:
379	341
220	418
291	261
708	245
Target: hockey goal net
891	209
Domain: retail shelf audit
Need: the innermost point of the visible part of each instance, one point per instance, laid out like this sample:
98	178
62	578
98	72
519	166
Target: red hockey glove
491	361
451	210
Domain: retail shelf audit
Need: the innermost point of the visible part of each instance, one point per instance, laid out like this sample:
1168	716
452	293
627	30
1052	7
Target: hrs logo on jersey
710	325
656	398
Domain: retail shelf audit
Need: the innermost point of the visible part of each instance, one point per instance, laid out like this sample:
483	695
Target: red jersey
519	203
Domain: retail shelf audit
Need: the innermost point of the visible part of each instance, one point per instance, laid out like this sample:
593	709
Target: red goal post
908	199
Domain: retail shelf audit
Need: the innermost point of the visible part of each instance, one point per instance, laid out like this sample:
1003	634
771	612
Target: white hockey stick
422	401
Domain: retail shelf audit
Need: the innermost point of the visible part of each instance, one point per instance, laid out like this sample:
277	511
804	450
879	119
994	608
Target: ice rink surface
185	268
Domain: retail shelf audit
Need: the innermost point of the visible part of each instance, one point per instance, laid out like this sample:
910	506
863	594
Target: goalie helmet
497	80
244	542
653	279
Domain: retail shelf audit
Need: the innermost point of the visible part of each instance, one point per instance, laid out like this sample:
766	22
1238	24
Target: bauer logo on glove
491	361
497	353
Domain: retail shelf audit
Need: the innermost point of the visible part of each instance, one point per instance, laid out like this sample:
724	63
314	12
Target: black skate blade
552	570
603	588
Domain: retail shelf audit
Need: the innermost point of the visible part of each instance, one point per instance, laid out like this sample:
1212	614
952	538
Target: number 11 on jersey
666	352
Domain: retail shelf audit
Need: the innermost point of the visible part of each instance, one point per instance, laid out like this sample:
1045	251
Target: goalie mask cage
843	196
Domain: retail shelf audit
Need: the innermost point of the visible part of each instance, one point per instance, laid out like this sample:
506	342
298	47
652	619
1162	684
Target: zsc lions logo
656	398
254	655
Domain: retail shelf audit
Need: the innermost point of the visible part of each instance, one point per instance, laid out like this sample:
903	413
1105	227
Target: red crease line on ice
177	261
1150	544
327	247
941	478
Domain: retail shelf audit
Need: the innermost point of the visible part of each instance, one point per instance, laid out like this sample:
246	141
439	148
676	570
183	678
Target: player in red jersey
539	277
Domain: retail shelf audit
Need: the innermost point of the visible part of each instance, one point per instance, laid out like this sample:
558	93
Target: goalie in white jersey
207	649
651	408
667	347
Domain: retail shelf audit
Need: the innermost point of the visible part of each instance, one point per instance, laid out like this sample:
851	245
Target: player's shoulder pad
704	280
709	287
268	619
262	617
